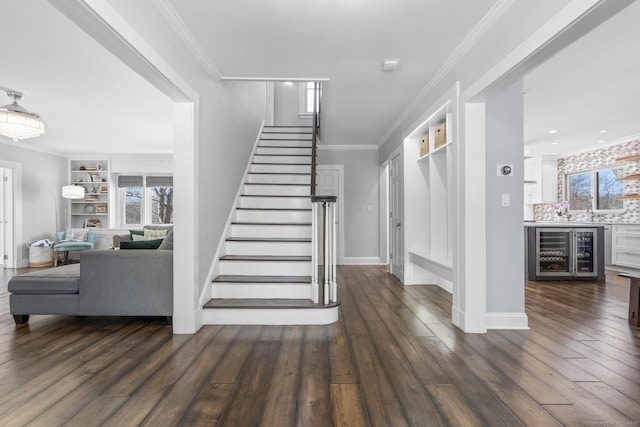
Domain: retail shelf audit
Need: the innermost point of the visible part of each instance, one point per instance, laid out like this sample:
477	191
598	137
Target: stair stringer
214	269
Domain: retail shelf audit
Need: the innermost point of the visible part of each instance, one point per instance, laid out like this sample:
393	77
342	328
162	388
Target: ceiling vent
390	65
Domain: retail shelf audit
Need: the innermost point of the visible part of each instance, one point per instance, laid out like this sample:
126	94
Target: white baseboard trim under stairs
264	270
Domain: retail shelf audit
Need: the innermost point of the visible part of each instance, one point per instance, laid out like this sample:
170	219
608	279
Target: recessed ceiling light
603	131
601	140
390	65
527	151
554	143
552	131
554	154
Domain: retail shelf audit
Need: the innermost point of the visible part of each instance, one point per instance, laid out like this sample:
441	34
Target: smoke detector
390	65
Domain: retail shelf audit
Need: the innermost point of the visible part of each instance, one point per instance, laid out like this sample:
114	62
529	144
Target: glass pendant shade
17	123
72	192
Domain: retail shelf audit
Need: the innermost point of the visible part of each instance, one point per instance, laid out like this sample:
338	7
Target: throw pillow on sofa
167	242
141	244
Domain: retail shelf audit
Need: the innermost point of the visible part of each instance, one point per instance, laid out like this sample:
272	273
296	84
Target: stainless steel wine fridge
567	253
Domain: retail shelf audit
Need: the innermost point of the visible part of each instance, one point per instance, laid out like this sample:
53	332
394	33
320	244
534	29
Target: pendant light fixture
16	122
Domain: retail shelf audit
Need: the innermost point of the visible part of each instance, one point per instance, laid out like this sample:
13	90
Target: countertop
565	224
573	224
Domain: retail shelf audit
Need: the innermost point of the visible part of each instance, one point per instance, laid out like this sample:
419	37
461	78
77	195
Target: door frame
399	274
341	227
384	181
13	213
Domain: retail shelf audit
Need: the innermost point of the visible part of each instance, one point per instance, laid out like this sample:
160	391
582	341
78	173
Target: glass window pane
309	95
133	205
579	192
609	188
161	205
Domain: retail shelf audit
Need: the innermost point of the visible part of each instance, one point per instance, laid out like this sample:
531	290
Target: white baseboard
516	321
360	261
468	324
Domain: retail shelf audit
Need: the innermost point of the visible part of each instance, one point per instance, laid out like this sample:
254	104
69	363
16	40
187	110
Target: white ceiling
92	103
591	86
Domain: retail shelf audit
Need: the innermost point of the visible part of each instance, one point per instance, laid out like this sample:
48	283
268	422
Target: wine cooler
566	253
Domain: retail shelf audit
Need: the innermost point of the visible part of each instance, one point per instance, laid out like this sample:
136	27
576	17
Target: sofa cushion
155	234
141	244
59	280
139	232
167	242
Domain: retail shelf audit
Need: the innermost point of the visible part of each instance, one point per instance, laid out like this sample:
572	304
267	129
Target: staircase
265	274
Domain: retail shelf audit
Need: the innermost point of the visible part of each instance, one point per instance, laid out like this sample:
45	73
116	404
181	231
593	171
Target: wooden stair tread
281	164
284	155
273	209
262	279
265	303
270	239
276	183
271	223
286	258
275	195
285	147
280	173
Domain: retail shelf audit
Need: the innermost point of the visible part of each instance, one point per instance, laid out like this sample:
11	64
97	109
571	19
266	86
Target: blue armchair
72	240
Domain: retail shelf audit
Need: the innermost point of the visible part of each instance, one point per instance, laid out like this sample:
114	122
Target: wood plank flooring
393	359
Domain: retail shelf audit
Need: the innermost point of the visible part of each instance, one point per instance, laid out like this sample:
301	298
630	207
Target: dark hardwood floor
393	359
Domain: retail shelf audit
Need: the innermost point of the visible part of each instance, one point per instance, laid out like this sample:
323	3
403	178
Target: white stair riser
268	248
277	190
273	231
265	268
276	202
302	143
285	316
282	159
300	131
261	290
278	179
272	216
281	168
282	151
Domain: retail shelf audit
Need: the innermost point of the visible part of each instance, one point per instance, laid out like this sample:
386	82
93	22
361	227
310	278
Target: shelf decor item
440	135
424	146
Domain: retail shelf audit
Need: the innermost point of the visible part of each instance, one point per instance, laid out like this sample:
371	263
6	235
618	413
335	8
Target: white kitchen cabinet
626	245
540	180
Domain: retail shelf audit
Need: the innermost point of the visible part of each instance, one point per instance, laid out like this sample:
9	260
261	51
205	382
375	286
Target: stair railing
323	214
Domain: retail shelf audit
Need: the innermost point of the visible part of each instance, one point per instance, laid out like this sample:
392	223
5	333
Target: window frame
594	190
147	202
303	90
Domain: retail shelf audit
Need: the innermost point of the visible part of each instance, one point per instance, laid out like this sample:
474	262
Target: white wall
500	51
504	224
43	176
215	125
361	192
287	105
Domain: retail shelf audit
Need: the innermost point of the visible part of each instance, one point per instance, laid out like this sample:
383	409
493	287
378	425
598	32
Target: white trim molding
511	321
462	49
183	33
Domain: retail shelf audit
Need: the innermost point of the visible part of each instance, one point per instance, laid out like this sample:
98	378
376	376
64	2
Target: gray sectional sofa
105	283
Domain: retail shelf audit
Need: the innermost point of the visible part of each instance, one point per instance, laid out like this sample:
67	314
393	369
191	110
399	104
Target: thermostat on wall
505	170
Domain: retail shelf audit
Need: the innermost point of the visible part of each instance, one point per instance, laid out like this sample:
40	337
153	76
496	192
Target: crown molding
481	28
183	33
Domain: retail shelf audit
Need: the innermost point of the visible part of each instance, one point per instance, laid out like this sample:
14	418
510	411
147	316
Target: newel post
324	289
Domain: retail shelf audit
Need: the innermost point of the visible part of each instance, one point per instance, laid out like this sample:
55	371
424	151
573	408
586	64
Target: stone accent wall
596	159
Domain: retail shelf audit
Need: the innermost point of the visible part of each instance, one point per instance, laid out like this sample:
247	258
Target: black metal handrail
315	130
